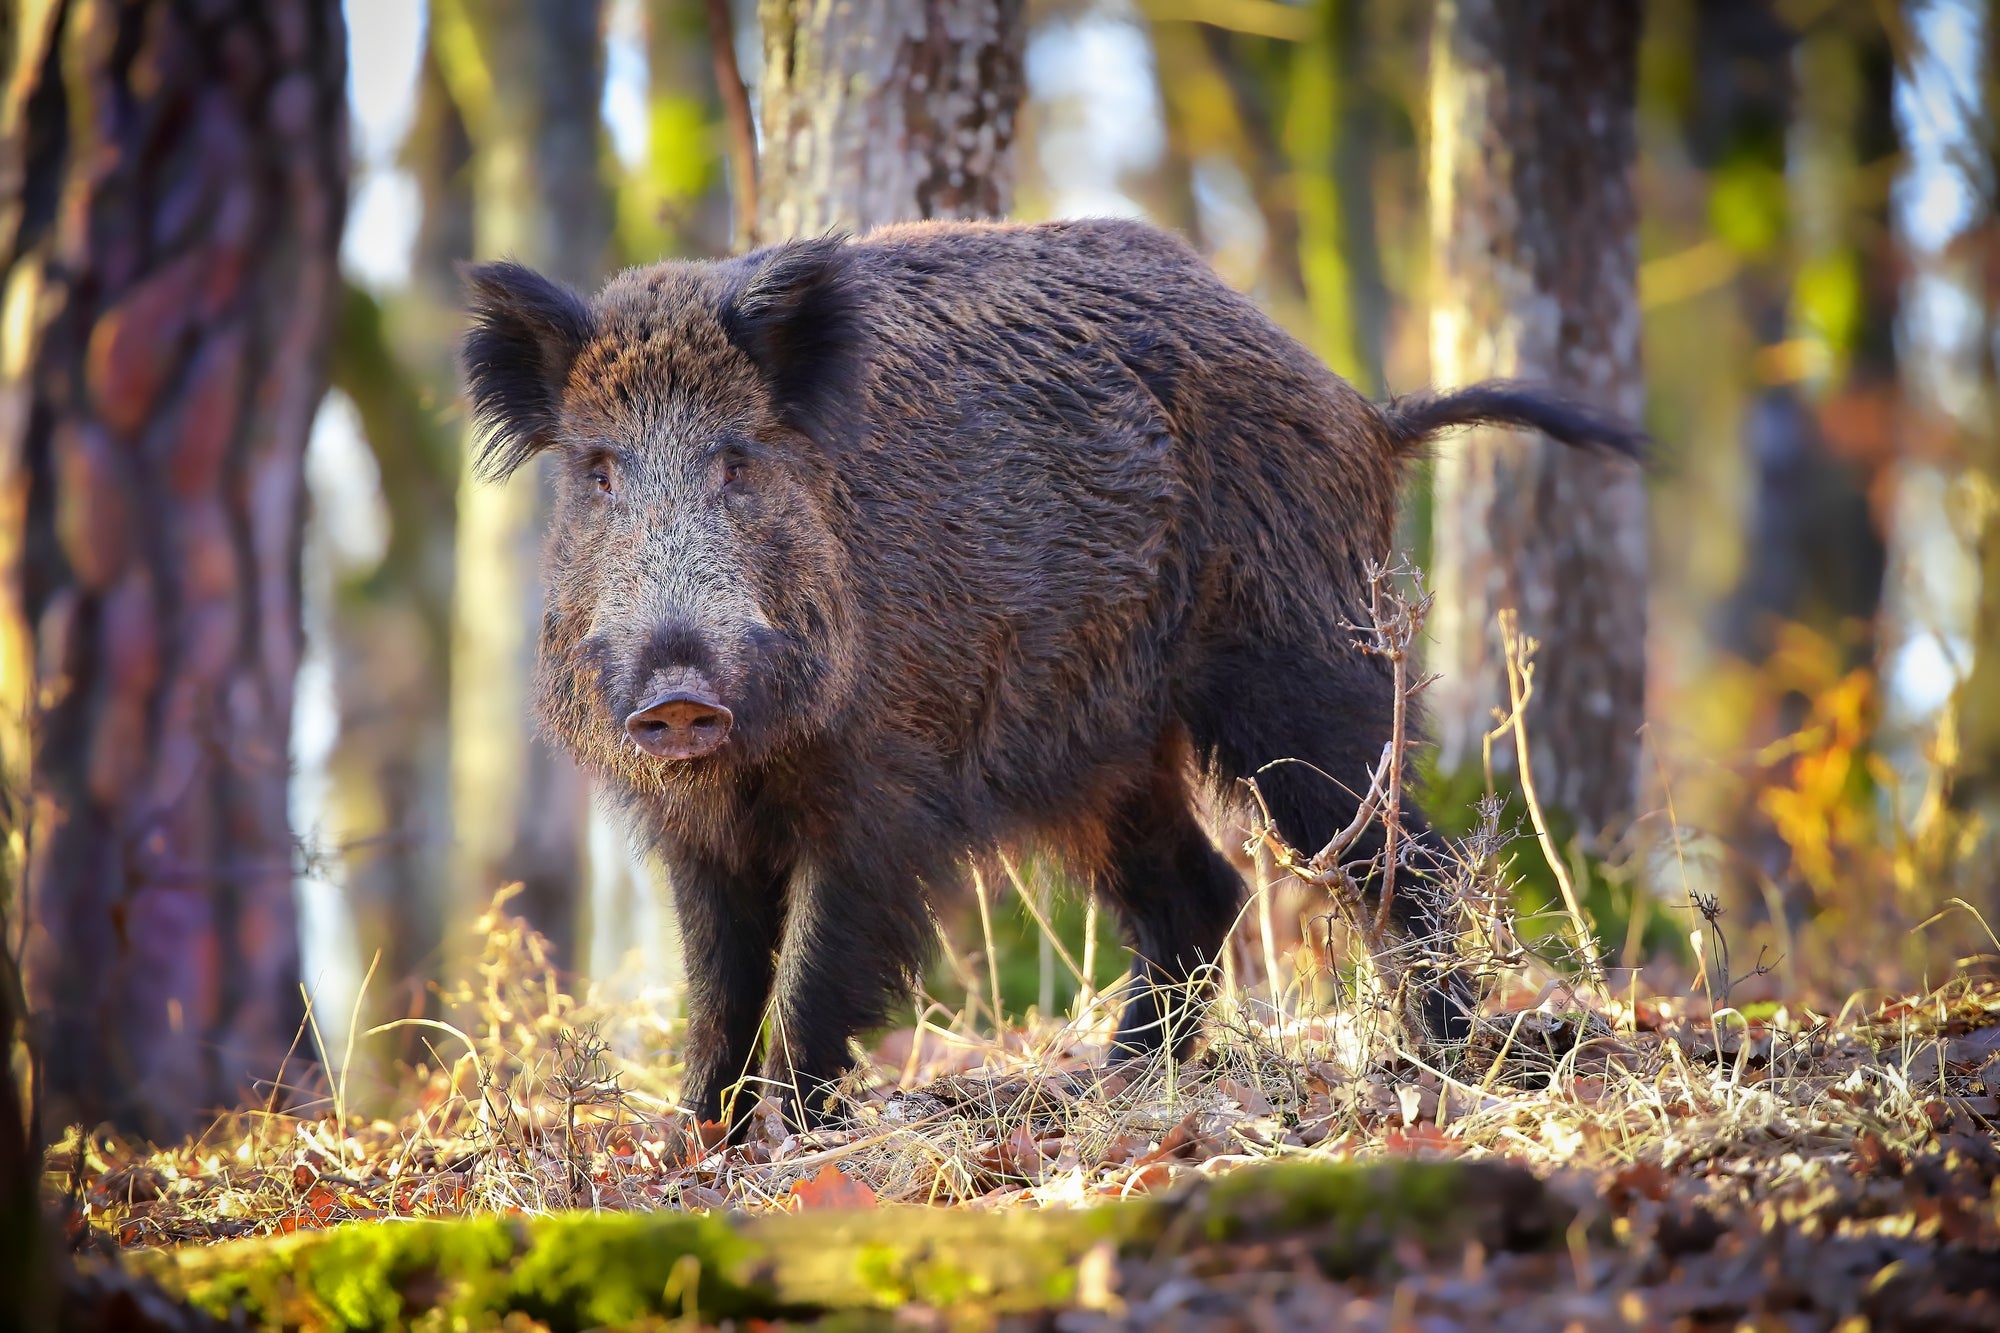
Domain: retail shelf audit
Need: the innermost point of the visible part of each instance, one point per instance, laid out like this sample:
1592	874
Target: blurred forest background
1773	221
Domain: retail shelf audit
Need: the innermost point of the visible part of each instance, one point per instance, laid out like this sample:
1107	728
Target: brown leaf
831	1188
1874	1158
1124	1148
1252	1101
1974	1050
1180	1141
1641	1180
1154	1176
1418	1138
1021	1154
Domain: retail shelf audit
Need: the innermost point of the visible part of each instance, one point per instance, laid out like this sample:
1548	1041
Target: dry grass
540	1113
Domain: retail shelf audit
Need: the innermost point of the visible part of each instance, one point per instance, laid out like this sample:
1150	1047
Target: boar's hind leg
1264	704
857	934
729	935
1178	898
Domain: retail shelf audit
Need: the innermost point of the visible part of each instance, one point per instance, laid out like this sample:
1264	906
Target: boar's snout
683	723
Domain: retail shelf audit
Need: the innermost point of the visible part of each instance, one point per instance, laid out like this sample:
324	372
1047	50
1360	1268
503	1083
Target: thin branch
742	128
1519	650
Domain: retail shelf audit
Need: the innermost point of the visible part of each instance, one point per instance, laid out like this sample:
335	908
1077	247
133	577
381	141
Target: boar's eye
735	463
600	476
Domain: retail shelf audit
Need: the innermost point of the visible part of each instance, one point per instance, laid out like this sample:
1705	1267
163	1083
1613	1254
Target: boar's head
694	416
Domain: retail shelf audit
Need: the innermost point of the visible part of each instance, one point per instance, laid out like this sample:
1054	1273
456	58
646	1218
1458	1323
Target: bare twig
1519	650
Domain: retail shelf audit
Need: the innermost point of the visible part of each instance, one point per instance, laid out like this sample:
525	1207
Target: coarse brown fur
982	534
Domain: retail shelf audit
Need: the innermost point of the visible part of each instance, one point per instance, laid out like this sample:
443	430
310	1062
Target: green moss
589	1270
569	1272
1297	1196
615	1270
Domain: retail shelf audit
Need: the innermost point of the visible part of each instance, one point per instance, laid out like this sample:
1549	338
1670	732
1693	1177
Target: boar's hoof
680	725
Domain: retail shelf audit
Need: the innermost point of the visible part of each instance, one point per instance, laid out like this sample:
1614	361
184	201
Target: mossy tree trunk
172	210
1535	248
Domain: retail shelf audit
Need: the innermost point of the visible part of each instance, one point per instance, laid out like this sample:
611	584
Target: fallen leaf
1180	1141
832	1188
1249	1099
1424	1136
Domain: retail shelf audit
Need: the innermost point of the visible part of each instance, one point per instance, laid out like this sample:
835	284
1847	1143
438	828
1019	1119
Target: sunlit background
1130	116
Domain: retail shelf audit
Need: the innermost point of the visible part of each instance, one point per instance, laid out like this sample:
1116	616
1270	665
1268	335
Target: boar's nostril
680	725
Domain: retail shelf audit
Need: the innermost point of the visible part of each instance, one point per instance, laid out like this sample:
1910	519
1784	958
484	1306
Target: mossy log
608	1270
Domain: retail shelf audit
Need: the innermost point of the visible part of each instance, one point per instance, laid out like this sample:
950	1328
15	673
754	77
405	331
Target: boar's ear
798	316
525	333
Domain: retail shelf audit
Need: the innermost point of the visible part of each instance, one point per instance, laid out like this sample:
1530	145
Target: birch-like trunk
881	111
1535	246
528	77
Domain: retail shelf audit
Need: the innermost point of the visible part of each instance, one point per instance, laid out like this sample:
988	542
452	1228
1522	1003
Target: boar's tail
1415	418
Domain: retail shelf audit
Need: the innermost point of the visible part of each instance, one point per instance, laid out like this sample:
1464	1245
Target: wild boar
873	555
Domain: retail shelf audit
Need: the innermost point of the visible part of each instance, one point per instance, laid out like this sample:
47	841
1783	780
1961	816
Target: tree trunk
886	111
677	202
391	625
1535	245
528	77
1979	697
26	1257
1332	135
174	195
1814	552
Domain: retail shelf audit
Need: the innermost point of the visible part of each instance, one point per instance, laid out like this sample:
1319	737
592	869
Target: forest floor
1778	1168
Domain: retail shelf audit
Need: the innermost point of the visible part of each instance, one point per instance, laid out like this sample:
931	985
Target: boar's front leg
729	925
856	937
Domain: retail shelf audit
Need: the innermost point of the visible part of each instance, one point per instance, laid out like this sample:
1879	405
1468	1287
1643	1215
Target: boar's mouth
681	724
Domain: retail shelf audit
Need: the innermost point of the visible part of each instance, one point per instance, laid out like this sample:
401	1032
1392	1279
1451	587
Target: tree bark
174	187
528	77
1535	247
886	111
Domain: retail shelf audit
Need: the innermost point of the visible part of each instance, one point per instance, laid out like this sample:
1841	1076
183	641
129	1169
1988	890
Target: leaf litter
1794	1171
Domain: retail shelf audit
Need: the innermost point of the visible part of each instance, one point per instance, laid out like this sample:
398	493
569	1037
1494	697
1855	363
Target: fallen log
582	1270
